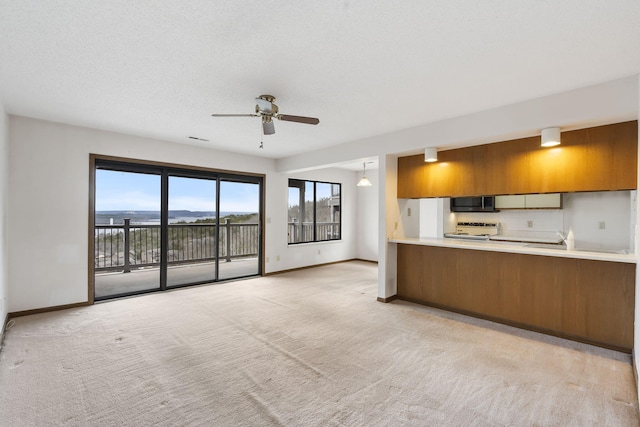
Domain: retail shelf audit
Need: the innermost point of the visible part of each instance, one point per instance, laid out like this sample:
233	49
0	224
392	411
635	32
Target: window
314	211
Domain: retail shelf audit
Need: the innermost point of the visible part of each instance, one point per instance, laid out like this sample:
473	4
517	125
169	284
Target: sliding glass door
126	232
239	229
158	227
191	231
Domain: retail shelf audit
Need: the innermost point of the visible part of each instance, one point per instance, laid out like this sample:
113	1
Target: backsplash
585	212
517	220
616	209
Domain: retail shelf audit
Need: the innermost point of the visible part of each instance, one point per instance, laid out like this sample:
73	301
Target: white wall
49	203
389	216
367	222
409	223
4	209
584	211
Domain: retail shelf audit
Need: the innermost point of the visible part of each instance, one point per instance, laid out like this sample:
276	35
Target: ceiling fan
266	109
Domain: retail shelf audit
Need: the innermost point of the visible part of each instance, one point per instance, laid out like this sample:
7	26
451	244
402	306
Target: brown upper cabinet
594	159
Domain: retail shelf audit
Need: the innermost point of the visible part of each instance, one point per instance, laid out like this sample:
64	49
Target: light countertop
517	247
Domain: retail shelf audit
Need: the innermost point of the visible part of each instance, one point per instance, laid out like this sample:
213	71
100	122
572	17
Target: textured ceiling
160	68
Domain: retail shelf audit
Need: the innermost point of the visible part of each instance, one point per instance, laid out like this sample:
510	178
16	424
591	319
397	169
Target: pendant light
550	137
364	181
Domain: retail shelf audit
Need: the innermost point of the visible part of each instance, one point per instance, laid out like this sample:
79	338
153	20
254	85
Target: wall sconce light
550	137
364	181
431	154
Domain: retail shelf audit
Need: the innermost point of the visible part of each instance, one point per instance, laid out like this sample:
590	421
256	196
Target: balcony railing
187	243
303	232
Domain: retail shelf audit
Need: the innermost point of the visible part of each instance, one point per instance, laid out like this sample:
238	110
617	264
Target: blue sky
126	191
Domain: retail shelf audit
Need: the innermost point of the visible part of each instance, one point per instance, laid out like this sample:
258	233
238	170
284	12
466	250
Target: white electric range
474	230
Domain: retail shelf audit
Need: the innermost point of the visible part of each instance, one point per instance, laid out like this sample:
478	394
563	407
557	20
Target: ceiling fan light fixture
264	104
267	126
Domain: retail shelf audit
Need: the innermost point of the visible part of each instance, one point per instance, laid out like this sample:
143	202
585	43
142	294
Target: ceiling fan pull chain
261	139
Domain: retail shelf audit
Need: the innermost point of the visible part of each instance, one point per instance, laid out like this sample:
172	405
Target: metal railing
126	247
303	232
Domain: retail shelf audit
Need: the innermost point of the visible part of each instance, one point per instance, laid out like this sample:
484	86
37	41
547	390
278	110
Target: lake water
153	218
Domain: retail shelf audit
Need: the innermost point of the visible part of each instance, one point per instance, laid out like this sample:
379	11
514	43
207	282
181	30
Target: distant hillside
235	218
139	217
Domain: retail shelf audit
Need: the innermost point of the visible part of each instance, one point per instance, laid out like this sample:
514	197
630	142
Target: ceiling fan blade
268	128
234	115
298	119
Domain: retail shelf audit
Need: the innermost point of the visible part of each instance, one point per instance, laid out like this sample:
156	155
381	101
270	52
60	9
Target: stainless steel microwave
473	204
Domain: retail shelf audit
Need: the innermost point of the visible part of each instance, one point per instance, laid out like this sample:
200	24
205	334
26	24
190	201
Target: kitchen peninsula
581	295
587	296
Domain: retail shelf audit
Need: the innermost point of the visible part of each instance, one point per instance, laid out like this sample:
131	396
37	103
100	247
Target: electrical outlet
601	225
530	224
408	211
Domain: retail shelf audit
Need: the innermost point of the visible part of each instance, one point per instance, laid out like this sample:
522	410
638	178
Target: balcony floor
117	283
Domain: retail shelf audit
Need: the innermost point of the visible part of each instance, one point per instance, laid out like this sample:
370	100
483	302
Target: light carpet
310	347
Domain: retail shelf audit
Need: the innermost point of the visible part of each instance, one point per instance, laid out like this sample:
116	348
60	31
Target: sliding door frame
165	170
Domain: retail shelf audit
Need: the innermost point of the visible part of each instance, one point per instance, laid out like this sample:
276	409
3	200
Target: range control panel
477	228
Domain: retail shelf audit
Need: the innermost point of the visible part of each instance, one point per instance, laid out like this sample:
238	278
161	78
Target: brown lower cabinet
585	300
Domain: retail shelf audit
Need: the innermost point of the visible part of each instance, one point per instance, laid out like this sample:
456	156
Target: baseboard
387	299
635	369
365	260
273	273
4	329
47	309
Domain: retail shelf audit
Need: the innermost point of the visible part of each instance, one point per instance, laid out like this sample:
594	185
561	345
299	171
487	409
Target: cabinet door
410	177
510	202
409	260
541	201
